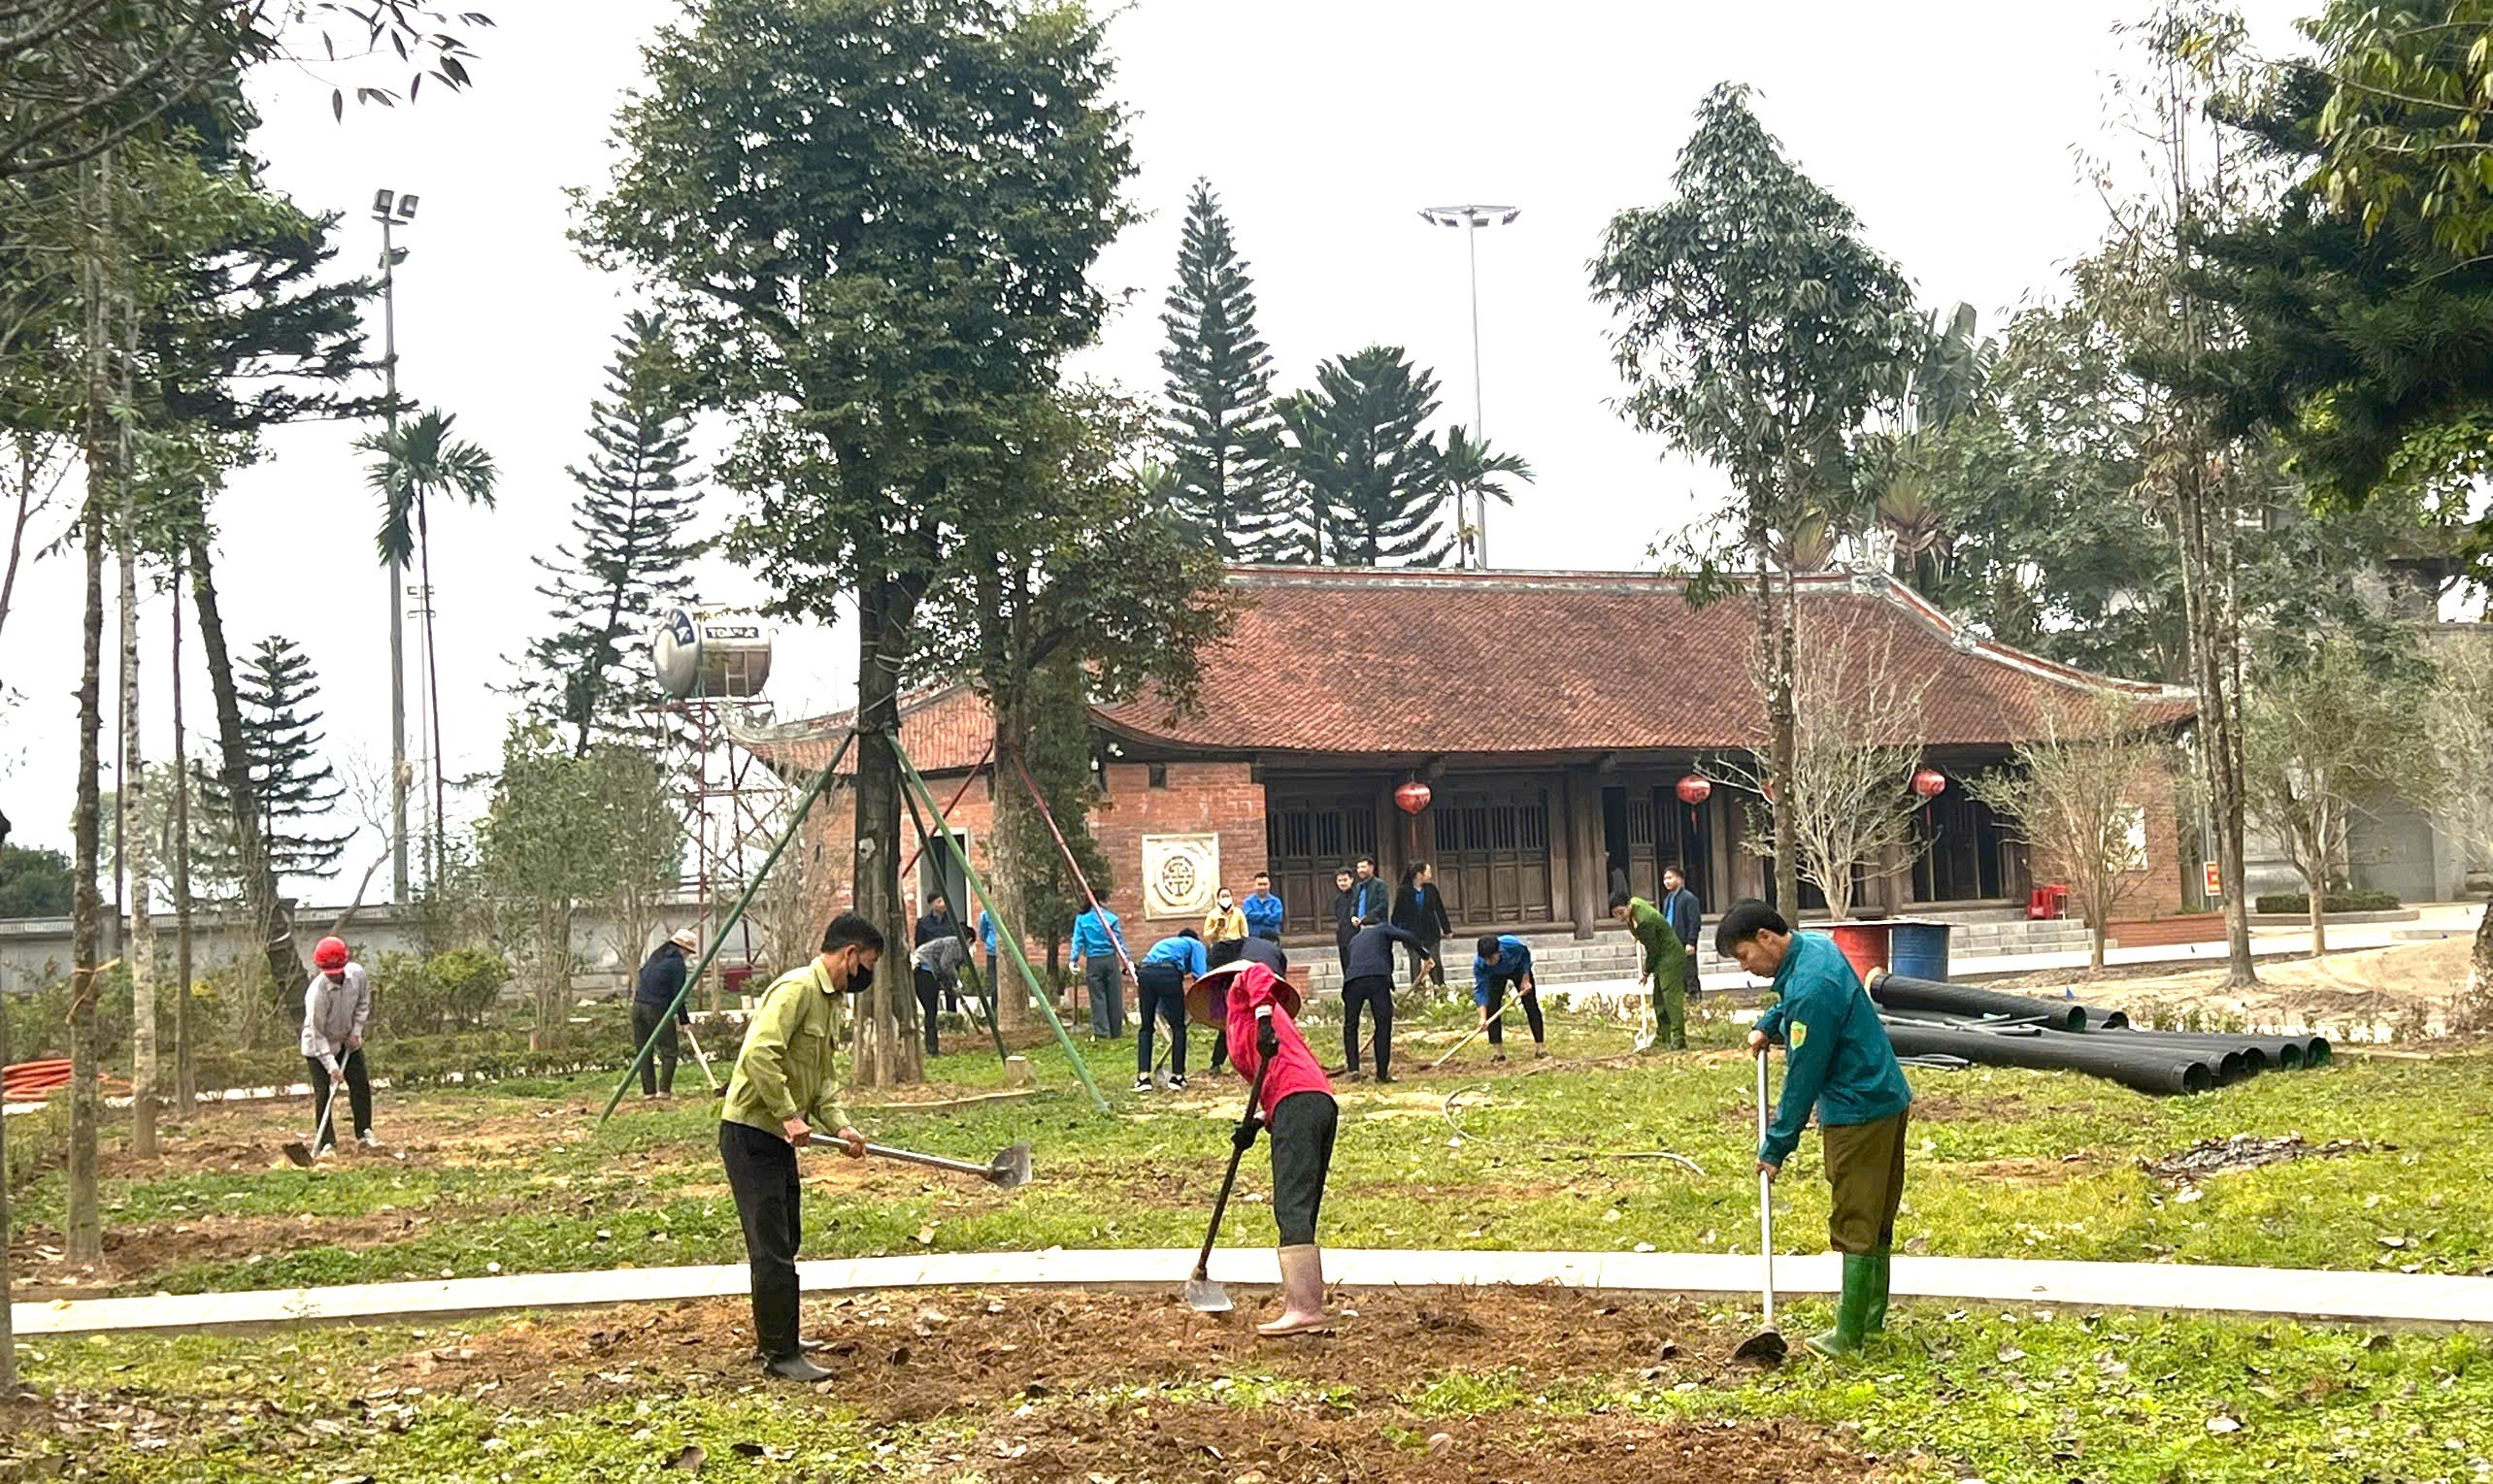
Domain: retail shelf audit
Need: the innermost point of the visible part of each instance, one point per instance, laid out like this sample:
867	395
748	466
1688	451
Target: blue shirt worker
1263	909
656	1010
1502	962
1160	982
1836	1059
1099	950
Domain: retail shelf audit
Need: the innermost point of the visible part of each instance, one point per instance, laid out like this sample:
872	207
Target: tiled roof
1353	660
943	729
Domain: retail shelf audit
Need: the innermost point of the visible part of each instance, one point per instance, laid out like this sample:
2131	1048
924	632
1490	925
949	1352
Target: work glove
1243	1137
1268	1044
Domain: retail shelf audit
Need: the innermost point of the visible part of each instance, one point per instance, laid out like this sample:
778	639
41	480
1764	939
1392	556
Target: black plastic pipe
1903	992
2286	1053
2141	1065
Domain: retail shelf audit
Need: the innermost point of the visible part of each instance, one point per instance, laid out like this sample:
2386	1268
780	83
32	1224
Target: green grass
2003	1163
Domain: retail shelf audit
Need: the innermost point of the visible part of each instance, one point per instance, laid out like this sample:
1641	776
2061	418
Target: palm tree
1472	468
413	461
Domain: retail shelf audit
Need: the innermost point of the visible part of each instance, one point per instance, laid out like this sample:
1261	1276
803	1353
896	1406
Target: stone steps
1561	958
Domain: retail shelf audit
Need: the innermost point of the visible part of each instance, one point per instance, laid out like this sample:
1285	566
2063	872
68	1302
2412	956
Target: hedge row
2299	903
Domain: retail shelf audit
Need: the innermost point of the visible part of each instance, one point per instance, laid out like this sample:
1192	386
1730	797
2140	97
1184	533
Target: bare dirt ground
2402	993
1077	1386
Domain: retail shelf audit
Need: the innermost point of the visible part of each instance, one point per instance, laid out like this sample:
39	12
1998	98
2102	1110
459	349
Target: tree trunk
1006	867
272	915
186	1092
84	1218
8	1287
886	1055
134	790
2476	999
2102	928
1786	725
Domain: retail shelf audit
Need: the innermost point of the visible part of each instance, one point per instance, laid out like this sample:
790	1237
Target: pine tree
1373	478
1219	422
586	679
289	784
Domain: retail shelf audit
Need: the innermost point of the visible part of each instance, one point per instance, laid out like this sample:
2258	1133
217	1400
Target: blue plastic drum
1919	951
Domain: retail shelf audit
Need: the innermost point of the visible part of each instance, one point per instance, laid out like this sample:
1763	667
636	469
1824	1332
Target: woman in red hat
336	1003
1257	1011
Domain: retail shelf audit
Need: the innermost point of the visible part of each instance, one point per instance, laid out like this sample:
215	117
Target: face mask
1225	898
861	978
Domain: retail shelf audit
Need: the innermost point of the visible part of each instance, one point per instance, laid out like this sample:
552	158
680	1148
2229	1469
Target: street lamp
1471	218
391	209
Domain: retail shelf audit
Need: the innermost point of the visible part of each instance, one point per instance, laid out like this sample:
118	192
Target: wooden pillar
1586	882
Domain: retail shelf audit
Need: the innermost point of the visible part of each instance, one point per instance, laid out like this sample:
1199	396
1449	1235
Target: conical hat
1206	996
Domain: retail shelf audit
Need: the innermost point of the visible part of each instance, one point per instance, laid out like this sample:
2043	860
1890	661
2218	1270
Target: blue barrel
1919	951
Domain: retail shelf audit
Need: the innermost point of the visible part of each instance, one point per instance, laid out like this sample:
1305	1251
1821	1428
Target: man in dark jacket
1345	914
661	981
1679	906
1368	980
1376	898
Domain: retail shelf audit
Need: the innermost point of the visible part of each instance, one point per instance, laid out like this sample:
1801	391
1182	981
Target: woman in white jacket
336	1003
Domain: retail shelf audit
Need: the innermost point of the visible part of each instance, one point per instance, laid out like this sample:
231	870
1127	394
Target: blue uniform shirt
1513	962
1263	912
1094	937
1681	908
986	929
1839	1059
1187	953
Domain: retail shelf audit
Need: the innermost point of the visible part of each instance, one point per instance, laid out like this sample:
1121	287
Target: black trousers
929	988
1531	1011
657	1074
1303	1127
1377	992
359	1095
761	1172
1159	991
1421	956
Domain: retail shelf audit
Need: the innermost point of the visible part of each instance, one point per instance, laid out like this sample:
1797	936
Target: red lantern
1930	782
1412	797
1694	789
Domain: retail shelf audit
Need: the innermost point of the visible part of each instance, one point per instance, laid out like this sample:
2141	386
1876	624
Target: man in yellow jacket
783	1089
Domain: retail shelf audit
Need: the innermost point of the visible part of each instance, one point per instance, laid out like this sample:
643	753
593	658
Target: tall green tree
876	224
1755	332
33	882
291	788
632	550
1373	475
1220	424
1102	587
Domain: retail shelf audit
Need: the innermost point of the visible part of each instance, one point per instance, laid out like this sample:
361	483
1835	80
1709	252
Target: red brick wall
2157	890
1200	799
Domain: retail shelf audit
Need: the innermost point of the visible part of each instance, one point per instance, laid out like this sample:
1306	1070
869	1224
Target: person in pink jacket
1257	1012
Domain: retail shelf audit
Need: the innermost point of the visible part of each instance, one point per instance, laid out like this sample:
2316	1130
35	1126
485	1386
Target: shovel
1009	1170
1477	1031
1766	1347
294	1149
1203	1295
695	1042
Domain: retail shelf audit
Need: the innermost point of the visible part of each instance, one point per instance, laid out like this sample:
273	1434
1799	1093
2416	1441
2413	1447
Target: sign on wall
1180	872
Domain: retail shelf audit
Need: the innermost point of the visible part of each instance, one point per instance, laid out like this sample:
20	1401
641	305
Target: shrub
2299	904
425	996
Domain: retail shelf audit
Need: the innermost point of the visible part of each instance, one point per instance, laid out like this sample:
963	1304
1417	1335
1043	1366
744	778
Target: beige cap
685	940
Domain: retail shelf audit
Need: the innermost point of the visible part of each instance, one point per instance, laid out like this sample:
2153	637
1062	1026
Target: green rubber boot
1860	1279
1874	1317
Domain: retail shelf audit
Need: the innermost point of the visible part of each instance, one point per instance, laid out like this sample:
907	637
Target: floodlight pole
1471	218
397	578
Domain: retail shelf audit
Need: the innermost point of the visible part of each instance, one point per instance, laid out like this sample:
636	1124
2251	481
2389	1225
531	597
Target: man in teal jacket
1838	1061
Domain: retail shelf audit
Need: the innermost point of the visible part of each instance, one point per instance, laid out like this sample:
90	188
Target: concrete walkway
2388	1298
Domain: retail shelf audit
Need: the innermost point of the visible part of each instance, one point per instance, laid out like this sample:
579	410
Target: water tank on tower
712	654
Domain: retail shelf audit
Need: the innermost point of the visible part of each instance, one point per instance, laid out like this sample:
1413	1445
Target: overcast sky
1954	130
